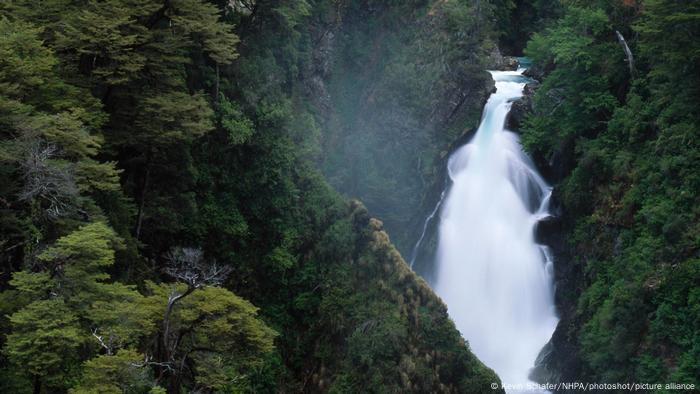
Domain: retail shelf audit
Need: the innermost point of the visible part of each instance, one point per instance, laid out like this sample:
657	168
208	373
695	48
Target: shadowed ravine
493	276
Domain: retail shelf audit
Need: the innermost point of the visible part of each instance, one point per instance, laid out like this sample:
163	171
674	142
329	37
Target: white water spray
430	217
493	276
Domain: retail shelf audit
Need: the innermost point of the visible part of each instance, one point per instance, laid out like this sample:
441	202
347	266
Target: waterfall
430	217
493	276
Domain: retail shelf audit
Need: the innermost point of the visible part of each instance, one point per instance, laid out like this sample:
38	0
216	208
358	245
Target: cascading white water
493	276
430	217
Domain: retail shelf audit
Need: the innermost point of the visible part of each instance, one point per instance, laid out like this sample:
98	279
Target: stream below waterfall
494	277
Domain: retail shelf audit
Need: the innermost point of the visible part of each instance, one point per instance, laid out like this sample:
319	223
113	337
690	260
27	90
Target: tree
210	337
628	189
45	336
49	141
119	373
66	279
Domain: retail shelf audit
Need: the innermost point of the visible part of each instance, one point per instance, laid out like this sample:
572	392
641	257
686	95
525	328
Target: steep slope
615	120
370	324
396	84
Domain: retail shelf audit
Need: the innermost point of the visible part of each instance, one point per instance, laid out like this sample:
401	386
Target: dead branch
108	347
188	266
45	180
148	361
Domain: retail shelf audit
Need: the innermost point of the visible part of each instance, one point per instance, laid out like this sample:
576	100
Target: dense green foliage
630	196
517	22
157	157
165	227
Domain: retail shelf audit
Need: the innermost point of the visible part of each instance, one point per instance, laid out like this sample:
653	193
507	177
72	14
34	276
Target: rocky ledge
500	62
522	107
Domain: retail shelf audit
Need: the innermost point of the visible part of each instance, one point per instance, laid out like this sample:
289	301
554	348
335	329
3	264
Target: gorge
496	281
321	196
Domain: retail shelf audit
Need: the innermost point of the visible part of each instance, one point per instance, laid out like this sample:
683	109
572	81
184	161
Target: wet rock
534	72
517	115
521	107
500	62
540	373
510	63
558	361
530	88
547	229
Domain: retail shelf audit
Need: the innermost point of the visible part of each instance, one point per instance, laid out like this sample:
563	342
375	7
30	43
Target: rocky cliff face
394	86
520	108
559	360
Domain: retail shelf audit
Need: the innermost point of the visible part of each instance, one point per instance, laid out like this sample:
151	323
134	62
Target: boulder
499	62
510	63
521	107
534	72
547	229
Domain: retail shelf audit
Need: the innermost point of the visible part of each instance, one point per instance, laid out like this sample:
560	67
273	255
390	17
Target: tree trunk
37	385
169	351
174	384
142	203
166	321
216	90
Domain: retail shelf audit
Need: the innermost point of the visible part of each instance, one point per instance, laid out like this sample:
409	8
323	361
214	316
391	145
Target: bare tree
47	180
187	265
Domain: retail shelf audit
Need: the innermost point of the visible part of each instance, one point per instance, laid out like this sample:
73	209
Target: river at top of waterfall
493	276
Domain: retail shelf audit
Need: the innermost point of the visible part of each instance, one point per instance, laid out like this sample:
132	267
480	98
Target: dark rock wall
393	89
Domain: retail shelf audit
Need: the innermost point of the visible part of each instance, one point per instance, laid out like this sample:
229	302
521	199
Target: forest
221	196
621	132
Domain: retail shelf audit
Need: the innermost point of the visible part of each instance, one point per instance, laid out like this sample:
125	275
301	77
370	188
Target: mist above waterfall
493	276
